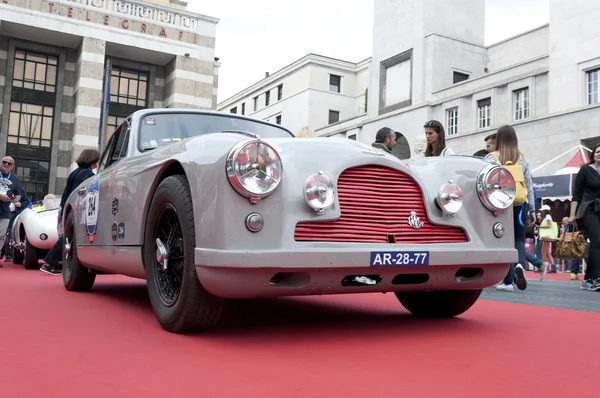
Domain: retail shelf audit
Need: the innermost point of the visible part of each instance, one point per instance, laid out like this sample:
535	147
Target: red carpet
107	344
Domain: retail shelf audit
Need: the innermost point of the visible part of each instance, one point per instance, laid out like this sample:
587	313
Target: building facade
295	95
63	62
430	62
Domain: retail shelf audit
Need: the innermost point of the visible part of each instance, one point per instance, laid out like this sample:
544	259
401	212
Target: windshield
161	129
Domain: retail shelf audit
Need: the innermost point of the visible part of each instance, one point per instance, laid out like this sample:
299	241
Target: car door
96	207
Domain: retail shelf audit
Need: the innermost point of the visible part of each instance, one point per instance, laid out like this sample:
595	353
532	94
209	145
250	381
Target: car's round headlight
319	192
450	198
254	169
496	188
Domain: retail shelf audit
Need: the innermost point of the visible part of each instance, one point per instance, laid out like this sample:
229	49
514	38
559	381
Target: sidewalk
559	276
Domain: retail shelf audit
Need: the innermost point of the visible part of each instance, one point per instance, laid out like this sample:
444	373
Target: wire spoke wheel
169	264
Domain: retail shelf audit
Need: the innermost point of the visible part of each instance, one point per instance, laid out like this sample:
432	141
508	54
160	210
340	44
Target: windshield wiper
249	134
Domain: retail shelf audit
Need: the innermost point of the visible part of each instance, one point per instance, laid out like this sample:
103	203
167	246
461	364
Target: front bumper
248	274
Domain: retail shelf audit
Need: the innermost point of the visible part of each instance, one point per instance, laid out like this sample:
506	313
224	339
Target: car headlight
254	169
319	192
496	188
450	198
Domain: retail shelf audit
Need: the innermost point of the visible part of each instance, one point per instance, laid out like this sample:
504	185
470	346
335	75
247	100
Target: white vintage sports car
34	233
210	206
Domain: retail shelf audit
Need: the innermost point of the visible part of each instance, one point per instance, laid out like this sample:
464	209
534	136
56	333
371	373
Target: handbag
571	245
549	234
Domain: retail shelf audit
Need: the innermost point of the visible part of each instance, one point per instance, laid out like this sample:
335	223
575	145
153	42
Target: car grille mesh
376	203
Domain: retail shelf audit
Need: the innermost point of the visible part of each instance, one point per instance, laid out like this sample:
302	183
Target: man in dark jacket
87	160
385	139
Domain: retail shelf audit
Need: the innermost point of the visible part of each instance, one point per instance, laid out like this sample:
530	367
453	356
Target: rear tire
31	256
440	303
180	302
76	277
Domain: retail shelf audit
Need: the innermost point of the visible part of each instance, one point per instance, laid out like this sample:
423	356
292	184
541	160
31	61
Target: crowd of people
502	148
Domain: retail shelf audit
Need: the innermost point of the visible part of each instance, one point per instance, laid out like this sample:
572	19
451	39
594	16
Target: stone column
89	81
189	83
3	77
215	82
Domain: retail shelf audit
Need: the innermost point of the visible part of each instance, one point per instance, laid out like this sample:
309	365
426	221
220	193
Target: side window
122	144
117	147
107	155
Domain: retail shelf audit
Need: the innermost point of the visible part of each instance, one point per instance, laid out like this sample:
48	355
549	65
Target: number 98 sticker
91	209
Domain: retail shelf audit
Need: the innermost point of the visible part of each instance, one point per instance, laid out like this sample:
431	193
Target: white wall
294	112
522	48
575	47
323	101
444	56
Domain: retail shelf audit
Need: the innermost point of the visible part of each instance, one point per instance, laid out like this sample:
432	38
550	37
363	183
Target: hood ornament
414	220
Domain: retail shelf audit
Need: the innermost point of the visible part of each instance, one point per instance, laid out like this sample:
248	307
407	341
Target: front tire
440	303
180	302
31	256
18	257
76	277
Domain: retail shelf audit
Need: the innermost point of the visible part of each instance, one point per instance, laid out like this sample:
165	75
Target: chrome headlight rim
441	198
233	178
320	209
482	192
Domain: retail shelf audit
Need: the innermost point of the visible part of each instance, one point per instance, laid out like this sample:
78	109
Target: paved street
549	293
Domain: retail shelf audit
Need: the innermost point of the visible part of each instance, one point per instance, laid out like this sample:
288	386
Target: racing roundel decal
91	209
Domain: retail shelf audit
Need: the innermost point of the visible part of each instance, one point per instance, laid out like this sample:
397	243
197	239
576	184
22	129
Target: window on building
31	120
484	108
352	137
521	101
452	120
334	116
128	93
267	98
335	83
243	108
278	119
592	86
234	109
255	99
459	77
280	92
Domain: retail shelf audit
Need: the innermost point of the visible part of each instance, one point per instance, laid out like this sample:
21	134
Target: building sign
553	186
145	12
126	15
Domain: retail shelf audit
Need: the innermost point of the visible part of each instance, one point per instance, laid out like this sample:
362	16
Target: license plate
403	259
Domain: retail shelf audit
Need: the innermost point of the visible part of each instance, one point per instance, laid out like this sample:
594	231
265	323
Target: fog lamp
254	222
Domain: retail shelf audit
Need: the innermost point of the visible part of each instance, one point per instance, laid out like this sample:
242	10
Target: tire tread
200	310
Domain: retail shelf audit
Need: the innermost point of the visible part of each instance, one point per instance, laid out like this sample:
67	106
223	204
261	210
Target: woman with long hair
436	140
507	150
585	208
87	160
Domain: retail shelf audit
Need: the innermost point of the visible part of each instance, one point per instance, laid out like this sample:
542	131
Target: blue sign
552	186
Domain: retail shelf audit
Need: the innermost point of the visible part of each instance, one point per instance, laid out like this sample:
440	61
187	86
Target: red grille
376	203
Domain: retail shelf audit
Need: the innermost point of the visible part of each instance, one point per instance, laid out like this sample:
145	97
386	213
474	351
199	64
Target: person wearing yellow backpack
507	154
